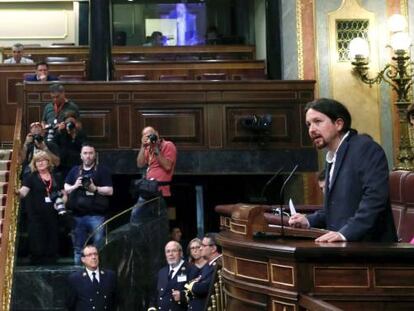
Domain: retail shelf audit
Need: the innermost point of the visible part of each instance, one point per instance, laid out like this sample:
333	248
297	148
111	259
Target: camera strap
81	169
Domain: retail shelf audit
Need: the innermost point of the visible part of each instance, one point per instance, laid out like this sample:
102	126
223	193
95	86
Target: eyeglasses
90	254
205	245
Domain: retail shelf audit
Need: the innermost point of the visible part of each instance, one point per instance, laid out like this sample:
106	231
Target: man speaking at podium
356	200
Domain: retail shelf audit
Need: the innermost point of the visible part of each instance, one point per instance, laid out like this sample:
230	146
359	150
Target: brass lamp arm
361	68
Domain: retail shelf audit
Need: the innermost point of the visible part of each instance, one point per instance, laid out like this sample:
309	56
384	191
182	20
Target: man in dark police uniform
92	288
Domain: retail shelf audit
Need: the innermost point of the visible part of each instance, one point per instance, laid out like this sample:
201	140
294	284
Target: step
4	176
5	165
3	199
5	154
3	187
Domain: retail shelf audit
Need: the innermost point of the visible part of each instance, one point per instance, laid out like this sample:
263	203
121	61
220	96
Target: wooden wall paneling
100	125
81	53
124	126
215	131
169	97
184	126
195	115
195	70
282	132
9	76
12	74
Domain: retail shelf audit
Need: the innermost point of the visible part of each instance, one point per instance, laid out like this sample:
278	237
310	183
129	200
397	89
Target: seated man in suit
18	58
42	73
198	289
172	278
356	199
92	288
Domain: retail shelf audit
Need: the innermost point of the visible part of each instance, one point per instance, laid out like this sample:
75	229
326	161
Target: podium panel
277	271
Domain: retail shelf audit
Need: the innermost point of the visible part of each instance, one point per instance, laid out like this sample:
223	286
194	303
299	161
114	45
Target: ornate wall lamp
398	74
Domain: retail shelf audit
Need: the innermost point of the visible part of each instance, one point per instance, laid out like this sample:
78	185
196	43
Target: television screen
180	23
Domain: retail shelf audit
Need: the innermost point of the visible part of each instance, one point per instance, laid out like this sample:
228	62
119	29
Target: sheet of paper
292	208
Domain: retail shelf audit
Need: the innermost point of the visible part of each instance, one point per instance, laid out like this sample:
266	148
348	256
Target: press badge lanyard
57	109
48	187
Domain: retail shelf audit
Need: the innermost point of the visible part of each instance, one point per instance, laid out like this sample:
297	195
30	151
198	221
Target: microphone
262	199
281	194
269	182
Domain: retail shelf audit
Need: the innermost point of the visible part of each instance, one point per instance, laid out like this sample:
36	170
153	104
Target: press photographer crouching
45	202
69	137
34	142
159	155
89	186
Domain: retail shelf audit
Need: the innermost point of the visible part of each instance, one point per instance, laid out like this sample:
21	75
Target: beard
319	142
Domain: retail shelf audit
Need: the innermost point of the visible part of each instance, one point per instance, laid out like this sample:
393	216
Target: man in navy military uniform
197	290
92	288
171	280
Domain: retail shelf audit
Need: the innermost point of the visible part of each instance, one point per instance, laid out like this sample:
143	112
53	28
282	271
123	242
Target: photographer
35	142
45	202
160	156
69	139
55	111
88	185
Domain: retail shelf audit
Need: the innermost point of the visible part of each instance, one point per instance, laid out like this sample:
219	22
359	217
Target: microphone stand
282	189
269	181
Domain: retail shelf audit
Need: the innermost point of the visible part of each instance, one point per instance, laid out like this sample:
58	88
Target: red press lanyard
48	184
57	108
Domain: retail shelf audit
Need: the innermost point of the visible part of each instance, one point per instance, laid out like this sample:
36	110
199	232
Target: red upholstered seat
173	77
134	77
402	202
212	76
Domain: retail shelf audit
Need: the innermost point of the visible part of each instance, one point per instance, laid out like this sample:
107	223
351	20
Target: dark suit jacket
201	288
34	78
82	294
357	203
164	300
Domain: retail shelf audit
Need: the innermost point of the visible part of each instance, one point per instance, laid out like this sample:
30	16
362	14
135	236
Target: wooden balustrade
191	70
9	229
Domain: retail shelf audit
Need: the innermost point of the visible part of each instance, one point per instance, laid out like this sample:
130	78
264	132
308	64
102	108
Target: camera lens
38	138
70	125
86	182
153	138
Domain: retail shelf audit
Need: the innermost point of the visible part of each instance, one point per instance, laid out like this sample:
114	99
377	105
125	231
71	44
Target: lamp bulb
358	47
397	22
400	41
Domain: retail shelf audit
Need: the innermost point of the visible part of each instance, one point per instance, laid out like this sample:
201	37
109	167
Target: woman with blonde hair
194	253
45	200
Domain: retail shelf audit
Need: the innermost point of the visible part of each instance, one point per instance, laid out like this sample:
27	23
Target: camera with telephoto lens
50	130
153	138
57	199
37	138
70	125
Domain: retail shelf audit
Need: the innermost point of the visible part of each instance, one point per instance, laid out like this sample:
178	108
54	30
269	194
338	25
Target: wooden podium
268	271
